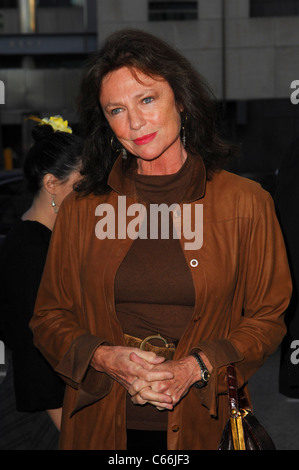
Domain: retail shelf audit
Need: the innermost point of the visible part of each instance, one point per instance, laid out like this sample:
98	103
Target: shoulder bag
242	431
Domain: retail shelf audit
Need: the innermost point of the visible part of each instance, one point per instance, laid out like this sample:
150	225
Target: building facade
247	50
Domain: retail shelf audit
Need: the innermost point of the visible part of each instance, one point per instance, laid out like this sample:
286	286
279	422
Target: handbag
242	430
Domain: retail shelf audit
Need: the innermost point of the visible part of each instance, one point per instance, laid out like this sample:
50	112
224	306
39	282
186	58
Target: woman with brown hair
141	314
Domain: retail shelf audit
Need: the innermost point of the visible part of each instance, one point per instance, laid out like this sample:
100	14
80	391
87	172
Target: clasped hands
148	378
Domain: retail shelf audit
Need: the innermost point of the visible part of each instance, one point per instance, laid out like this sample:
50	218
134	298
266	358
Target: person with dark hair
164	267
32	392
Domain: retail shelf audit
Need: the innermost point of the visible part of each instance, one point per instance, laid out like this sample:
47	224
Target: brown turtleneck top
154	290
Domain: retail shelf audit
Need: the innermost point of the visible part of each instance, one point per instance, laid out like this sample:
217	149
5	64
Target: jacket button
193	263
175	428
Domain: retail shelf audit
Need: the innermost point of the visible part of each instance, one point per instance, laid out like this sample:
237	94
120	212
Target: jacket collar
123	181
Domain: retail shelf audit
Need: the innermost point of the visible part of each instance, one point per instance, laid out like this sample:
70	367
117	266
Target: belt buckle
148	338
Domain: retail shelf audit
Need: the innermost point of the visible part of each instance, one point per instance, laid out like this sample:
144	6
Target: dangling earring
123	150
184	138
184	134
53	204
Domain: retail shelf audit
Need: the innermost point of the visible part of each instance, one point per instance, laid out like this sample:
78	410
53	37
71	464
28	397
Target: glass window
172	11
44	3
274	8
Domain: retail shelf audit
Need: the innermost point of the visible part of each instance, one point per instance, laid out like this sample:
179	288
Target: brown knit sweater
153	287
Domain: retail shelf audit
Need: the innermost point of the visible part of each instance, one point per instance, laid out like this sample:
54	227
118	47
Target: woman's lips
145	139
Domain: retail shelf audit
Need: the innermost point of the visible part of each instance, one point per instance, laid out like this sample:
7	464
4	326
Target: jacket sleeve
266	286
57	324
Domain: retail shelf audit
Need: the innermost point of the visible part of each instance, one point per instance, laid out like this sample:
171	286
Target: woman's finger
149	395
160	401
146	359
157	381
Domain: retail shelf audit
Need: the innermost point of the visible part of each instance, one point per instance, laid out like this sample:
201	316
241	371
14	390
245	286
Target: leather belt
166	351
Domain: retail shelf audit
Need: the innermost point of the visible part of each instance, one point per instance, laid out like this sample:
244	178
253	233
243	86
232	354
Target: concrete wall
261	61
261	54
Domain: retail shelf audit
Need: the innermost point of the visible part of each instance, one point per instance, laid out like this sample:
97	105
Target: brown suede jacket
242	284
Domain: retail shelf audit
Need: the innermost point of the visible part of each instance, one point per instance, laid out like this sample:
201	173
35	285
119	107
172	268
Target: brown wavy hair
140	50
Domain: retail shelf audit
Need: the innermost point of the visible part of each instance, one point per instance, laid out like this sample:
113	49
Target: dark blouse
22	258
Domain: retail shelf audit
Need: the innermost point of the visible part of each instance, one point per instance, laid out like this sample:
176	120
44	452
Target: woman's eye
115	111
148	99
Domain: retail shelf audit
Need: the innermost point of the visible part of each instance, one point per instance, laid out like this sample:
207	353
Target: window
44	3
274	7
172	11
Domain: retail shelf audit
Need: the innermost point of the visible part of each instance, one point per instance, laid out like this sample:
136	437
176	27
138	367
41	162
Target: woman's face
144	117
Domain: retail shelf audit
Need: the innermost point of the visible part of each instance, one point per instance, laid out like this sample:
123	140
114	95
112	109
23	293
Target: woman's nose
136	119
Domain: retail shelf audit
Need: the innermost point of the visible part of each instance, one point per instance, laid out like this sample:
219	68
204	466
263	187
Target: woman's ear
50	183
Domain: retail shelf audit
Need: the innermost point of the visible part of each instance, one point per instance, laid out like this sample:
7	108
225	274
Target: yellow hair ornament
56	122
